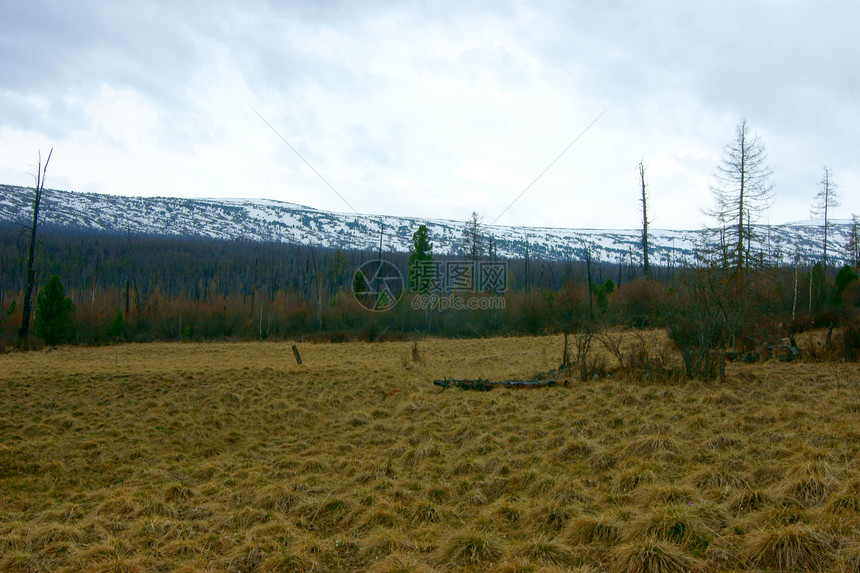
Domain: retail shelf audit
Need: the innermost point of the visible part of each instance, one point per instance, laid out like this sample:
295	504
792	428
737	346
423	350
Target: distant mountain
267	220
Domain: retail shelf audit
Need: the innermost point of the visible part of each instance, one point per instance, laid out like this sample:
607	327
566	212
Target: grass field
230	457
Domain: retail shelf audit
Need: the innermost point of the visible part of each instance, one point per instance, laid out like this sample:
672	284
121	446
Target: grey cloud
56	49
790	68
733	55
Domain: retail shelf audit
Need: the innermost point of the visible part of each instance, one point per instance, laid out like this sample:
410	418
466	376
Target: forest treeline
193	288
142	288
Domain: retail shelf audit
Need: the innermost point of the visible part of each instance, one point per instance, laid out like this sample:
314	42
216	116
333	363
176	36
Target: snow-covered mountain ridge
270	220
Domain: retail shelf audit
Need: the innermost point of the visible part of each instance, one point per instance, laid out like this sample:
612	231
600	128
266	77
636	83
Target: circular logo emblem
377	285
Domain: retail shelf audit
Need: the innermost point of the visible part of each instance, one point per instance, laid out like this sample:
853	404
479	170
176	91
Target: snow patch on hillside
271	220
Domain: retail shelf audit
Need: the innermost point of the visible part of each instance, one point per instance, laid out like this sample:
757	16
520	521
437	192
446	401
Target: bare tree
41	172
742	192
571	314
646	267
587	258
712	312
826	198
853	245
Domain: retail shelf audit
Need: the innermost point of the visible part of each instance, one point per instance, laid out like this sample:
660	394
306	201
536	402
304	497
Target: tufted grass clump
229	456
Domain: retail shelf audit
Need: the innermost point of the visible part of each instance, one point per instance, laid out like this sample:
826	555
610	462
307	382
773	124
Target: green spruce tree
54	312
117	327
420	253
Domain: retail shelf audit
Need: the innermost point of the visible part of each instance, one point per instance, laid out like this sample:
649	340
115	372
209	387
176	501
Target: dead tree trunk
24	331
646	267
794	301
565	355
588	275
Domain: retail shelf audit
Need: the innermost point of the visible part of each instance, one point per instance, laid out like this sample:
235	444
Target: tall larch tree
826	198
742	192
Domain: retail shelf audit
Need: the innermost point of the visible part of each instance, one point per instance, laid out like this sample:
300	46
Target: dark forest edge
133	288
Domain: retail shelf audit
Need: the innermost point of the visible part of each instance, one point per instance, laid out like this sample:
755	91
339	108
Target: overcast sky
433	109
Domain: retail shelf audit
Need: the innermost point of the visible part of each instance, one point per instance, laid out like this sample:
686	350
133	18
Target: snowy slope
268	220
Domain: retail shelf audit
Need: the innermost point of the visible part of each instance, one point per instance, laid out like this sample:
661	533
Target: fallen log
482	385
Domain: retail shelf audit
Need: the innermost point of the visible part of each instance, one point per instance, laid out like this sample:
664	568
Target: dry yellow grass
230	457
